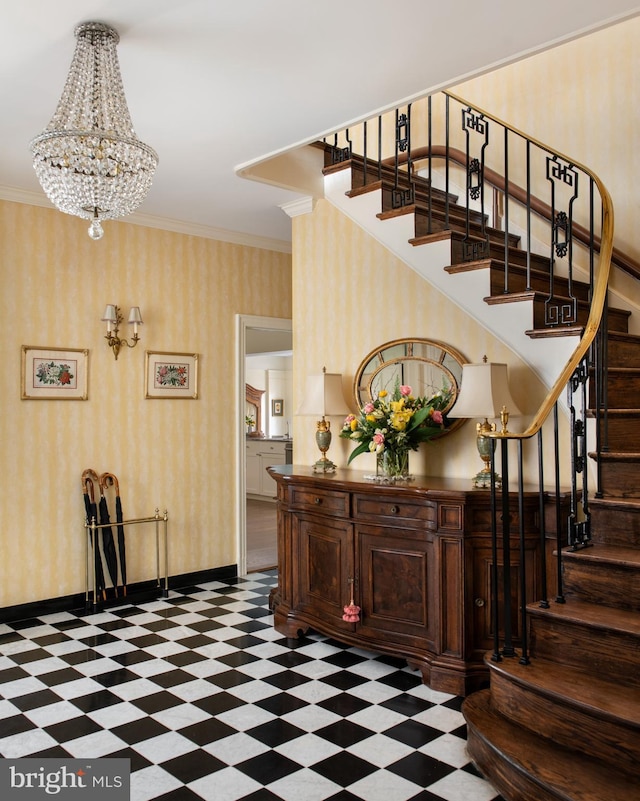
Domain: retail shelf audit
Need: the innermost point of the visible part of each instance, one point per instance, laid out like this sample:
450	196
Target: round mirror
425	365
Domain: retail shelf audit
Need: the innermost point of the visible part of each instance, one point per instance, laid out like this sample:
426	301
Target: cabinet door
253	483
397	587
483	568
325	565
270	455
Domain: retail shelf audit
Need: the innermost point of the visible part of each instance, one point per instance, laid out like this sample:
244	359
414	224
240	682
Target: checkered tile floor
209	702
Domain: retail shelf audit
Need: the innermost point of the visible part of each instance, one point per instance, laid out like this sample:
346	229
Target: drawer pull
395	510
317	501
479	602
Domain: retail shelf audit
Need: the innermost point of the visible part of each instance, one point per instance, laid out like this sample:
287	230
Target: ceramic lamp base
323	441
486	448
324	466
483	480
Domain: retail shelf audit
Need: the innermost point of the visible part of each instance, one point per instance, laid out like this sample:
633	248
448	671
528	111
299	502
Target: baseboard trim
136	593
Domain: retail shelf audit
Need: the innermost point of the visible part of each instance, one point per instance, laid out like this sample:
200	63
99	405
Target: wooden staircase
565	726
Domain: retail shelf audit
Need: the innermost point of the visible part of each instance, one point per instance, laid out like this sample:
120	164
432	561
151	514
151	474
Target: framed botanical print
171	375
54	373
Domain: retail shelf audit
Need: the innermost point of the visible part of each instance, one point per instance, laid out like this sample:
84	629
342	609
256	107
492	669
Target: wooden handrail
604	243
600	287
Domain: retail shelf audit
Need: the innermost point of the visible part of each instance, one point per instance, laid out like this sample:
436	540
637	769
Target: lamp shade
484	390
323	396
110	315
135	316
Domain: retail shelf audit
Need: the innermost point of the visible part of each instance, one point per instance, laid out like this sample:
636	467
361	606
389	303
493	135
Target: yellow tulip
400	419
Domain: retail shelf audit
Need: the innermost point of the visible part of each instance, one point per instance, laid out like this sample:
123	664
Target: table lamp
484	393
323	397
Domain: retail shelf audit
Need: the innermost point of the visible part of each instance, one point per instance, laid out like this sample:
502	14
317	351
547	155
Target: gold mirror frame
424	364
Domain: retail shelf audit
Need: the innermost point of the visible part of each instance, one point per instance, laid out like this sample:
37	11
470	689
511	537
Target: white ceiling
212	85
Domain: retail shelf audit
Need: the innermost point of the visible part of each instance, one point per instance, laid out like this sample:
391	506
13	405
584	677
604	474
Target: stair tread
556	331
362	190
610	553
631	504
616	412
624	337
497	264
534	294
572	775
597	616
569	685
618	370
616	456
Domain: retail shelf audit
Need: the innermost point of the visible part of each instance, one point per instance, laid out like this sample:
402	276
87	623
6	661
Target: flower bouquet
391	426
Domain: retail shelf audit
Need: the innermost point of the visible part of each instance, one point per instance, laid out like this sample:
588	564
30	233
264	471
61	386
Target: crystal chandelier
88	159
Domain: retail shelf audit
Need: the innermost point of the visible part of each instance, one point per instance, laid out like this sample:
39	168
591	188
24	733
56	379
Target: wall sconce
323	397
113	318
484	393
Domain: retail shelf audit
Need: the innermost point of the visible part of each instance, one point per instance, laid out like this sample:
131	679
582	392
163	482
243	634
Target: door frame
244	322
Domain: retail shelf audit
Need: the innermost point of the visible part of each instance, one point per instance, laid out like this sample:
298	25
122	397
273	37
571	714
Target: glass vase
393	465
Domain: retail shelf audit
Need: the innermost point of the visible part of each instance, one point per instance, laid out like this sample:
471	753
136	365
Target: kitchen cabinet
417	558
260	454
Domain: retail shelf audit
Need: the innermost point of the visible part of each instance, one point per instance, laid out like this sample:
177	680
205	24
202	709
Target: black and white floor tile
209	702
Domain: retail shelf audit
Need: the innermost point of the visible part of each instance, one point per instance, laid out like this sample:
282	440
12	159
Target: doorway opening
264	362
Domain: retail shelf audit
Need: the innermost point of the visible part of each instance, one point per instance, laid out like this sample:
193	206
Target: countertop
269	439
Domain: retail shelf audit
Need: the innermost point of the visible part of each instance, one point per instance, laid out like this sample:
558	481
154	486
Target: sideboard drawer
419	514
326	502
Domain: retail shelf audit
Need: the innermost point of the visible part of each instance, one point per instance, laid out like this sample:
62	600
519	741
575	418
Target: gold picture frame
54	373
171	375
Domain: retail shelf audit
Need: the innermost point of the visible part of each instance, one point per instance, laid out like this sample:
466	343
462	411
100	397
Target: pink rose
437	416
368	408
378	439
405	391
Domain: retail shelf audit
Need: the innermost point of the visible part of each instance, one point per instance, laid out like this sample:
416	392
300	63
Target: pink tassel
351	613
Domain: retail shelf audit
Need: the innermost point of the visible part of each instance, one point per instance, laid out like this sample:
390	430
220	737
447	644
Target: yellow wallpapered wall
350	295
178	454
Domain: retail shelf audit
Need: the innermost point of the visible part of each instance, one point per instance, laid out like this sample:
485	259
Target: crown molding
29	198
296	208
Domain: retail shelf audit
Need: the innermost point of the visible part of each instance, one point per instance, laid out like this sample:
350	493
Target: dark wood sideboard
418	557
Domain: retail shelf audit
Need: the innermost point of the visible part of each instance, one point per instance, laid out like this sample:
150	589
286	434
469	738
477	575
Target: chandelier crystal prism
88	159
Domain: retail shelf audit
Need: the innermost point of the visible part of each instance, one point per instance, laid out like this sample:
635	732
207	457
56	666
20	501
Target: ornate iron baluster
579	518
561	310
340	154
560	599
403	196
475	123
544	597
524	633
507	598
496	656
